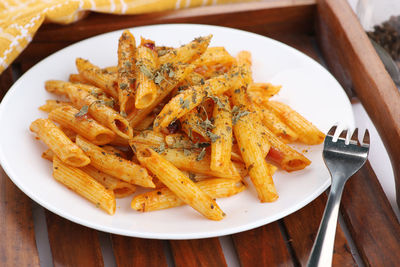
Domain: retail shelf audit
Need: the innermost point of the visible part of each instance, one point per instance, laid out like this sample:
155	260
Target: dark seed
174	126
149	45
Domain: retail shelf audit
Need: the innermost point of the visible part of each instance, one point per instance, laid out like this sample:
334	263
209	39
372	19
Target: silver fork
343	160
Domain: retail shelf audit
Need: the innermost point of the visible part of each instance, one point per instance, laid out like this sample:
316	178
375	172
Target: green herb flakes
237	113
82	112
213	137
123	86
160	149
201	155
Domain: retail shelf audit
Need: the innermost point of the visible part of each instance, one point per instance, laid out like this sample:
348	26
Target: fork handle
322	251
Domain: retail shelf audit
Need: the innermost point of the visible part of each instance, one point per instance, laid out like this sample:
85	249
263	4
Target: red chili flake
173	127
149	45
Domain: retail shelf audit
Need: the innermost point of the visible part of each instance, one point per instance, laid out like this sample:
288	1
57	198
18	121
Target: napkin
20	19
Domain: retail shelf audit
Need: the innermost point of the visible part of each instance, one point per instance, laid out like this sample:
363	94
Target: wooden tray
326	30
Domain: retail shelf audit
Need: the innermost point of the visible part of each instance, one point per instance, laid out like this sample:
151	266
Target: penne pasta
146	123
197	162
178	183
221	148
186	101
275	124
53	104
192	123
283	155
120	188
252	152
262	92
150	138
213	56
98	77
306	131
164	198
188	52
180	72
126	72
81	183
113	150
58	142
99	110
189	122
147	90
77	78
83	125
115	166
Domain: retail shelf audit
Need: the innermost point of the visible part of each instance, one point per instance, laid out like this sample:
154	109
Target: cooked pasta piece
184	102
178	183
115	151
81	183
188	52
192	124
150	138
113	165
126	72
246	128
306	131
251	150
244	61
167	85
275	124
261	92
57	141
197	162
54	104
164	198
98	77
178	140
222	135
213	56
121	188
99	110
83	125
77	78
283	155
147	90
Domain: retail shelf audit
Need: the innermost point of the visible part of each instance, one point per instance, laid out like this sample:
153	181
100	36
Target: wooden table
326	30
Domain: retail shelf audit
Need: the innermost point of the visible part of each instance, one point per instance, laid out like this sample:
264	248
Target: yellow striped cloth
20	19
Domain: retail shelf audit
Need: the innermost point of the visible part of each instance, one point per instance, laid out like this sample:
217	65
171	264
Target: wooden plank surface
263	246
279	25
265	20
346	48
197	253
130	251
302	227
17	245
371	220
72	244
365	208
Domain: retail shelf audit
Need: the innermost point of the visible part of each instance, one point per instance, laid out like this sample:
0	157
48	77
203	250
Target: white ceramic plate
307	87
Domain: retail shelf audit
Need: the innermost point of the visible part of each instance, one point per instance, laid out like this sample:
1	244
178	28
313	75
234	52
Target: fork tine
332	130
366	138
343	135
354	136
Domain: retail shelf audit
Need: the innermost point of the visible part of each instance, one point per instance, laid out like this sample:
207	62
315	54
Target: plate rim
175	236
